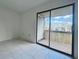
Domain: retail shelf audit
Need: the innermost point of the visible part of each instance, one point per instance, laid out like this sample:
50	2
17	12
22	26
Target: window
55	29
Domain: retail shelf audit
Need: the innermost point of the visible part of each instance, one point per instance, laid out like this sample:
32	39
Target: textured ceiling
21	5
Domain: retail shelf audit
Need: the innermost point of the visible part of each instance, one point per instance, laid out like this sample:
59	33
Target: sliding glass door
55	29
43	28
61	29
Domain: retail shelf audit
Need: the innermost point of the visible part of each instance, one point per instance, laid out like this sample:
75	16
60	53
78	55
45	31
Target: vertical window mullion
49	26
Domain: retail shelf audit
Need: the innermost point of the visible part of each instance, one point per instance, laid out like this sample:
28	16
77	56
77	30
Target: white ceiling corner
21	5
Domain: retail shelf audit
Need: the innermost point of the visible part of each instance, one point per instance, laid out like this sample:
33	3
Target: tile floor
19	49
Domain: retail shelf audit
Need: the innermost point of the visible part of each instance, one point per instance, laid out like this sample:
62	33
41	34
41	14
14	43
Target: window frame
73	28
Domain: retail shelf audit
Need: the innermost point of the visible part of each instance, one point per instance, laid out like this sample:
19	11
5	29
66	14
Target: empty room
38	29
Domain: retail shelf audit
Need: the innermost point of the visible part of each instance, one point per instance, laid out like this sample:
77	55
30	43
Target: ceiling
21	5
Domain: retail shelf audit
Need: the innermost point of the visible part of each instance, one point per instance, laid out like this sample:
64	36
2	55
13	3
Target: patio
58	40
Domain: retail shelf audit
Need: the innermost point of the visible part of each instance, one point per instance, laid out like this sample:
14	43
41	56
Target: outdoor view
60	29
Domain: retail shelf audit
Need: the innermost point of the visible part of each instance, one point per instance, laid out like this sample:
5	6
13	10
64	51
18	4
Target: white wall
76	31
9	24
40	29
28	27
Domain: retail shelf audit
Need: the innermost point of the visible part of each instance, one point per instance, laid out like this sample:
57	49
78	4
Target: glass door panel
61	29
43	28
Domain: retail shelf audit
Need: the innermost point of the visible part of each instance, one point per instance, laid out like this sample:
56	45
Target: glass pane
43	28
61	29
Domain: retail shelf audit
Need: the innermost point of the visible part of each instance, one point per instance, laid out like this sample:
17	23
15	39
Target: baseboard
25	39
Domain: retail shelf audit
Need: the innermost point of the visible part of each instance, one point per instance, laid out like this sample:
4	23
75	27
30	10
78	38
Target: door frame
73	29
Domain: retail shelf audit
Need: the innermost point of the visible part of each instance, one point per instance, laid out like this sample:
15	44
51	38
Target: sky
66	19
